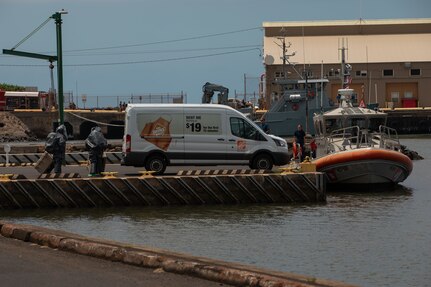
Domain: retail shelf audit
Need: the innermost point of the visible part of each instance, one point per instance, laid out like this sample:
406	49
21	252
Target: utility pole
284	57
245	88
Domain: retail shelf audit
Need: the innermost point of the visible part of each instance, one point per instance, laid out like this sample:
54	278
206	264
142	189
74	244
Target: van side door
205	136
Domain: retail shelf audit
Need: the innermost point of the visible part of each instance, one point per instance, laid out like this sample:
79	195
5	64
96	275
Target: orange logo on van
241	145
158	133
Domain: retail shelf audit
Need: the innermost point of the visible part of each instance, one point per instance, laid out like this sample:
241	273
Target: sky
113	49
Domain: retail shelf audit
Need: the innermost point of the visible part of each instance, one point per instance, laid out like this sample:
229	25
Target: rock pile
12	129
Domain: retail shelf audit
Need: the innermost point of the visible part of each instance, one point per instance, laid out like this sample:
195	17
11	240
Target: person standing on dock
265	126
56	145
300	137
96	145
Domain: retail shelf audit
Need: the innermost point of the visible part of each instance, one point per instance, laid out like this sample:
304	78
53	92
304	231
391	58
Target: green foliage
12	88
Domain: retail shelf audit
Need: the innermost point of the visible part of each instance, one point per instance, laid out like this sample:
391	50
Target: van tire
263	161
156	163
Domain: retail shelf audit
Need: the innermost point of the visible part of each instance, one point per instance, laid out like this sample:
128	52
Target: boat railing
354	137
388	138
343	139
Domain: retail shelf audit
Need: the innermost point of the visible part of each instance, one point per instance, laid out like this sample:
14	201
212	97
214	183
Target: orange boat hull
365	166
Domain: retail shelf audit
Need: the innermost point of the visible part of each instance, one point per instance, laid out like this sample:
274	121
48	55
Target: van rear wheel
156	163
262	161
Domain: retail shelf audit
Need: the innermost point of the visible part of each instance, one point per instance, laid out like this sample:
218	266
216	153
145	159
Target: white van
157	135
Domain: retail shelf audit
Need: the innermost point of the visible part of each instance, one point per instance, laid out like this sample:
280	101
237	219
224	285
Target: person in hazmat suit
96	145
56	145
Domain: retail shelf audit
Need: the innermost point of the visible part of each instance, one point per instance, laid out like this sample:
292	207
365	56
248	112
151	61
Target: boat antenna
303	45
346	78
321	87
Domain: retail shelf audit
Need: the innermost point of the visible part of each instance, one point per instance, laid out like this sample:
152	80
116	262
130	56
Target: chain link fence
117	102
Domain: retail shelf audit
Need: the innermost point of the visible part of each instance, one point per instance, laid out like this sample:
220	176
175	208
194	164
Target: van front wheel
157	164
262	161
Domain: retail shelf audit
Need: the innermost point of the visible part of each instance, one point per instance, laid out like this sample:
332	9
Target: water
369	239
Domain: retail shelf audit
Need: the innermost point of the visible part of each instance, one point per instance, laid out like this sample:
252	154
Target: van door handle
231	140
221	139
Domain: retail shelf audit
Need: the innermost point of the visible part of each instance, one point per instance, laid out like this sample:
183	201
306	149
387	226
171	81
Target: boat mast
346	78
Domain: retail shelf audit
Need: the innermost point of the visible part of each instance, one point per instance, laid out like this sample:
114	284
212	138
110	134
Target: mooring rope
93	121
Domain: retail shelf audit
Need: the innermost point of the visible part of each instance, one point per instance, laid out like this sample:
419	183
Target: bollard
109	174
5	177
146	173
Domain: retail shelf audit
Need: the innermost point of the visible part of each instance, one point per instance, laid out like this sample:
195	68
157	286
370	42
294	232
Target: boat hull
365	166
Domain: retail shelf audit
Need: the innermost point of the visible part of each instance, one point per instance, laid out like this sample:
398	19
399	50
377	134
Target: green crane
59	58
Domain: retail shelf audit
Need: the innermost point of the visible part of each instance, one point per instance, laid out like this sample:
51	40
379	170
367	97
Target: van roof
200	106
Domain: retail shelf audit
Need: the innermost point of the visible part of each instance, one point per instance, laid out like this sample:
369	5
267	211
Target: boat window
356	122
332	125
241	128
375	123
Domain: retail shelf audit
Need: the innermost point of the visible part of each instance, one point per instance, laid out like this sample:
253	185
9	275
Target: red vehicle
21	100
2	100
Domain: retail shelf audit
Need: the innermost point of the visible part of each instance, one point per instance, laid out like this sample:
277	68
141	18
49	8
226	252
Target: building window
388	73
415	72
408	95
361	73
395	97
334	72
279	74
309	73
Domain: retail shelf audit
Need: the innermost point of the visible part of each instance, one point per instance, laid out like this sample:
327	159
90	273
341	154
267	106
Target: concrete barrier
205	268
163	190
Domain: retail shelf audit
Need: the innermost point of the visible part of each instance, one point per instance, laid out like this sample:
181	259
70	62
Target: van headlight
280	143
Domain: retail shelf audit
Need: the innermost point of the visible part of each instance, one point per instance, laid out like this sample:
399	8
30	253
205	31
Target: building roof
348	27
21	94
367	41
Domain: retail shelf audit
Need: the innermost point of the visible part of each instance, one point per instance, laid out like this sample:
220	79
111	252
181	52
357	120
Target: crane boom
208	91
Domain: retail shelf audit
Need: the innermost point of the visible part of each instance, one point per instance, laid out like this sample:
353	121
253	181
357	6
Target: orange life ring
295	107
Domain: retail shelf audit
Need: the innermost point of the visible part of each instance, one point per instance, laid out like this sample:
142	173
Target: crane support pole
57	17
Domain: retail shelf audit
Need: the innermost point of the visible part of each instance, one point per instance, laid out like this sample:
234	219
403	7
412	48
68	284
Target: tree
12	88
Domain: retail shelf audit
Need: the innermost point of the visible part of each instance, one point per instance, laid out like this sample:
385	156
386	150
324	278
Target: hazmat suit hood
96	129
62	130
96	138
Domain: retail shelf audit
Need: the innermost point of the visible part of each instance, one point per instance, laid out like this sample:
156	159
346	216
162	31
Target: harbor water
366	238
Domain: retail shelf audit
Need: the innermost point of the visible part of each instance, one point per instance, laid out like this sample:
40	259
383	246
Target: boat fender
295	107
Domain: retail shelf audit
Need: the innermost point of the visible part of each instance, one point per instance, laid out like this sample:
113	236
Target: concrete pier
147	190
162	261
